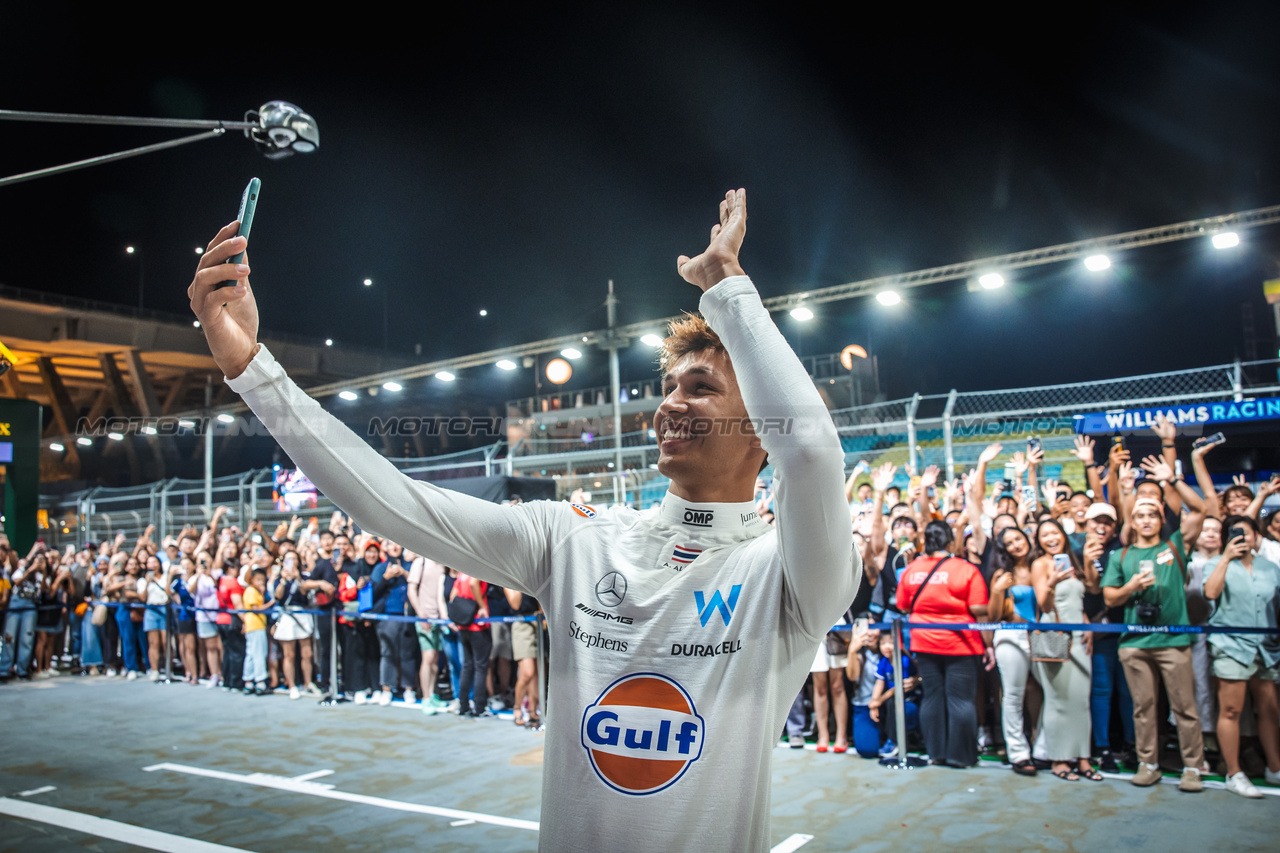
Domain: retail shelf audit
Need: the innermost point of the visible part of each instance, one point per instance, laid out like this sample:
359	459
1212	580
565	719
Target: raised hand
1050	492
228	316
1157	468
1239	480
1117	454
882	477
1127	476
1034	457
1019	463
990	452
929	477
720	260
1165	429
1084	449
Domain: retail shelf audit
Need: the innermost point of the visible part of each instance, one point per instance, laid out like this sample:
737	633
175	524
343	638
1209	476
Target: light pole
368	282
137	253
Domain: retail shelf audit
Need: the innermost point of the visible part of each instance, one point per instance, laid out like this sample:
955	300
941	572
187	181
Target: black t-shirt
986	563
497	600
324	571
1095	606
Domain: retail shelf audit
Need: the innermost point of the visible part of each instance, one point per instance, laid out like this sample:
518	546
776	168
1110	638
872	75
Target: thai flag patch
685	555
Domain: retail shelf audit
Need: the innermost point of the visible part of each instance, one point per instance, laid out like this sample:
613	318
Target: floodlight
651	340
56	447
349	396
445	376
393	386
1097	263
1226	240
84	442
888	297
506	364
991	280
570	352
802	314
224	418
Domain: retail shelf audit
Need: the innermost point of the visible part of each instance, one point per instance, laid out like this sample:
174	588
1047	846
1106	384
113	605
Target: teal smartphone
248	204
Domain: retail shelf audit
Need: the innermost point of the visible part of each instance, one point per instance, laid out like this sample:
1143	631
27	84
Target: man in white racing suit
683	632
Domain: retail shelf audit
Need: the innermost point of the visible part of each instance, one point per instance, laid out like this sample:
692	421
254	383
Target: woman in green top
1245	587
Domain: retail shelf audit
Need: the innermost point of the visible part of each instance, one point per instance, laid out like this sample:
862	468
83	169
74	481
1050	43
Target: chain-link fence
946	430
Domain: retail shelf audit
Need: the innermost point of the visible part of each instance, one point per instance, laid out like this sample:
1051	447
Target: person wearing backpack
1148	578
467	603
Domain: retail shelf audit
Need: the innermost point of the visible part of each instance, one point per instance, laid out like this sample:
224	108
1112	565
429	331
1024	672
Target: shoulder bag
1050	646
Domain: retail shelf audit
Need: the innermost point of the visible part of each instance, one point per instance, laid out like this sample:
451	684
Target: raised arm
508	545
1213	506
1167	431
978	493
880	482
820	567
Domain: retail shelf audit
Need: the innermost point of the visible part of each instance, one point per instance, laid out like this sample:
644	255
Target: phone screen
1062	563
248	204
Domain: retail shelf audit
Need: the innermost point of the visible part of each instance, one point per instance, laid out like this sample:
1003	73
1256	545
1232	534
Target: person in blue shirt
885	693
397	642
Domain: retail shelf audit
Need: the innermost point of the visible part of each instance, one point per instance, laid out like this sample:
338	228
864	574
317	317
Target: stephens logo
611	589
699	517
642	733
584	511
707	609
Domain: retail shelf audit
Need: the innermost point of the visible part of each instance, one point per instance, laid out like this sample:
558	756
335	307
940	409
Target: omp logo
707	609
584	511
699	517
611	589
642	733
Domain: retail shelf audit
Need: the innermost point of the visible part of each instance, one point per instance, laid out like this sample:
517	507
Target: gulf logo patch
642	733
584	511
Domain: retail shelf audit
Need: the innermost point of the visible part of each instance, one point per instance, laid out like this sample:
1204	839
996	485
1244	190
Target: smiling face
1015	544
704	443
1050	537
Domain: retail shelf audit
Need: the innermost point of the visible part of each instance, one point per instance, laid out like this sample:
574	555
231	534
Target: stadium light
149	430
56	447
558	371
115	436
195	324
506	364
484	312
84	441
328	342
349	396
888	297
571	353
991	280
392	386
802	313
445	376
224	418
199	251
651	340
1226	240
1097	263
187	424
368	282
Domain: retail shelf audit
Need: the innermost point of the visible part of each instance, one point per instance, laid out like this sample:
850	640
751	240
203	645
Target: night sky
516	161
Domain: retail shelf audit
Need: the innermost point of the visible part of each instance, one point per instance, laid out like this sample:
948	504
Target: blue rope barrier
1095	627
278	610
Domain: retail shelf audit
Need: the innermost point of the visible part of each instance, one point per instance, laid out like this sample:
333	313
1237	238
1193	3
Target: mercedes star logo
611	589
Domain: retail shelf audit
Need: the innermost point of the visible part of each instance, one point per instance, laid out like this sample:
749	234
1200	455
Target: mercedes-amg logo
611	589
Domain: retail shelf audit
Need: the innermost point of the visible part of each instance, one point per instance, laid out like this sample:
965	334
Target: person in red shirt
230	592
940	587
477	645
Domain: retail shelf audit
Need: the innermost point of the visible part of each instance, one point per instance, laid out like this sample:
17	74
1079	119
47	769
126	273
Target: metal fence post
1237	387
903	761
912	456
946	434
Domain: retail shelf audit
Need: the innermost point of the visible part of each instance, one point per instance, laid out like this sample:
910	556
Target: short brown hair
689	333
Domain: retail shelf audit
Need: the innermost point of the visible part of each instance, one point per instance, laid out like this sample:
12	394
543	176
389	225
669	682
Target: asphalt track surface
107	765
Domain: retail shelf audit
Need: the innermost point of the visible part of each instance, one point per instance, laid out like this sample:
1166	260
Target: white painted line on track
314	789
790	845
307	777
466	822
44	790
138	836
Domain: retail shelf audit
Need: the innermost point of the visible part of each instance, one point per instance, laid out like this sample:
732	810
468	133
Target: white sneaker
132	676
42	675
313	690
212	682
1273	778
384	698
1240	784
454	707
410	698
111	673
153	675
295	693
362	698
54	673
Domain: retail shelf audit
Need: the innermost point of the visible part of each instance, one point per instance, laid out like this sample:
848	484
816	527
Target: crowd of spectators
1134	544
255	612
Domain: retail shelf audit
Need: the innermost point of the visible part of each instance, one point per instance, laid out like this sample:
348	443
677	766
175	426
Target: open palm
720	260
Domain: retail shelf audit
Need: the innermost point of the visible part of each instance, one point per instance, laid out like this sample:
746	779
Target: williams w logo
707	609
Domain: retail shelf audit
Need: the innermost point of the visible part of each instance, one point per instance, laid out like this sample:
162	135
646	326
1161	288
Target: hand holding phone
248	204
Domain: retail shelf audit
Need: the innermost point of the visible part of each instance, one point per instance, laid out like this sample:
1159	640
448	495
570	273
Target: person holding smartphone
1060	582
1246	587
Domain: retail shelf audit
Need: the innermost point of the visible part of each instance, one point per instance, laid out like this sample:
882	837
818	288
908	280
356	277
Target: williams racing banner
1124	420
